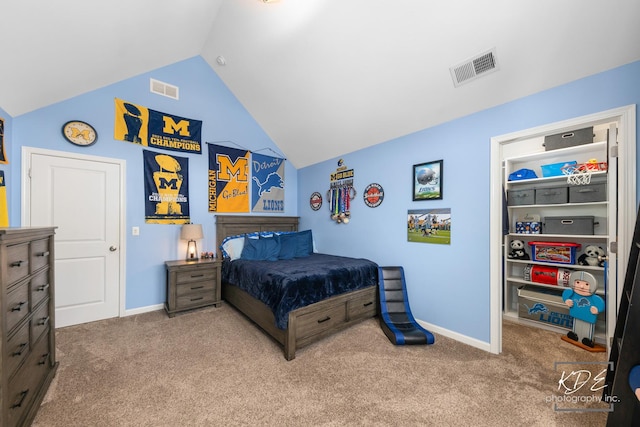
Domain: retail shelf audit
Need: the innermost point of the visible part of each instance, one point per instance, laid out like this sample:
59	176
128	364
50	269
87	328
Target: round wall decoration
373	195
315	201
79	133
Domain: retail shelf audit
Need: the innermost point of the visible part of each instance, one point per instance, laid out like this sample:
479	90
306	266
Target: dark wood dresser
192	284
27	346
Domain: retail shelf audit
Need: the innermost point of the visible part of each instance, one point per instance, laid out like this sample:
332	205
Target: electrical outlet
135	231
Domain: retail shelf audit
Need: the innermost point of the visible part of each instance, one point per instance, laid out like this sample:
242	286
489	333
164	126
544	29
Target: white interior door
81	197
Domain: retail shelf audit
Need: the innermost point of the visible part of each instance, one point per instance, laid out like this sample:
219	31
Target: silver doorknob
112	248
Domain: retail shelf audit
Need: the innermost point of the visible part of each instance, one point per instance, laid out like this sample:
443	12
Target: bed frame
307	324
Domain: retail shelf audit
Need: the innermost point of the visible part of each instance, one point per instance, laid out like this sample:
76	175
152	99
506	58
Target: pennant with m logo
228	179
166	188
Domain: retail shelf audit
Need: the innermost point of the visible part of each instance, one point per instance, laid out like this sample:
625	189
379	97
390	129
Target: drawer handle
197	275
366	304
21	347
45	253
324	320
42	288
43	359
23	395
196	287
568	135
566	221
43	321
197	299
17	263
586	190
18	306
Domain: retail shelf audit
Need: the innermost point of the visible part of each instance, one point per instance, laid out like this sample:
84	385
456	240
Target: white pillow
232	246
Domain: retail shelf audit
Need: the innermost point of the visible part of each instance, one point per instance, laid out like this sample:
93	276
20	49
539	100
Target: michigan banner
267	188
166	188
153	129
228	179
4	211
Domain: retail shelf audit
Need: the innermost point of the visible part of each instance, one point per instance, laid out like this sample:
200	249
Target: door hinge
613	151
613	247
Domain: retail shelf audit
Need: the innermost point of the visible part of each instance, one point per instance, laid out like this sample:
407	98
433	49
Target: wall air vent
164	89
478	66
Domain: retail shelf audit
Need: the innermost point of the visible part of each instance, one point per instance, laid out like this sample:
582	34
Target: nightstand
192	284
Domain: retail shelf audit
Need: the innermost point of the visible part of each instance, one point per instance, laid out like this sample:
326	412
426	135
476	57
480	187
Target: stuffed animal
592	256
517	250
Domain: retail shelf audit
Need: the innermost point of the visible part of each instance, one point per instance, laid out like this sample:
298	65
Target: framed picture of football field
427	181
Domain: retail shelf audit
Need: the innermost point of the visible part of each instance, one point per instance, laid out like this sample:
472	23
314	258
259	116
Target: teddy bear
517	250
592	256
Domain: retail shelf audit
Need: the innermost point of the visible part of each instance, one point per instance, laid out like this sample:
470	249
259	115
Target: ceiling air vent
471	69
164	89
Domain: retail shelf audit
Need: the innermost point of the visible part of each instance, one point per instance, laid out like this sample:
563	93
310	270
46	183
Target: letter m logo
163	183
228	169
171	127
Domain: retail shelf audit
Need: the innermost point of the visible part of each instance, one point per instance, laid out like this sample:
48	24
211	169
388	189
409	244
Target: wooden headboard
230	225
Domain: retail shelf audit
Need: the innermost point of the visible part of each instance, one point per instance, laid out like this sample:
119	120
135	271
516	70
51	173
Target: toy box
544	306
581	225
556	252
528	224
555	169
568	139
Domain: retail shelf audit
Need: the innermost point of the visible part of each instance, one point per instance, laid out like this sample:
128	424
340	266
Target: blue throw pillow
263	249
288	246
304	244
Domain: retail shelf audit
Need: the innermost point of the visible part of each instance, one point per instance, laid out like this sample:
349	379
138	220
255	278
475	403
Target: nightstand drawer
195	275
184	289
195	299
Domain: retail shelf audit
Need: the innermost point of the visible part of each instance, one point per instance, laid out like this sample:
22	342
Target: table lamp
191	232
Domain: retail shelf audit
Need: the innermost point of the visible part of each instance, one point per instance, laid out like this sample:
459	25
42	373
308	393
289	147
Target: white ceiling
322	77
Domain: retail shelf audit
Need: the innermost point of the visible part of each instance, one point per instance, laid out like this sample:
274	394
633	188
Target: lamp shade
191	232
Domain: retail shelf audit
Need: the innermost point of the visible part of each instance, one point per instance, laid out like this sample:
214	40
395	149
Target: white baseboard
455	336
141	310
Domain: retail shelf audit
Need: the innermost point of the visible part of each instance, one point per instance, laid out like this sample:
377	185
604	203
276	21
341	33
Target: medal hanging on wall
340	196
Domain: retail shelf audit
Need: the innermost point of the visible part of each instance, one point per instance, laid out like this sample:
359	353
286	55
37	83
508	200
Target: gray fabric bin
520	197
568	139
551	195
583	225
588	193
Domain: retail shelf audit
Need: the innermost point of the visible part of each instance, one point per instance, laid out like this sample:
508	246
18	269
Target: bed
354	301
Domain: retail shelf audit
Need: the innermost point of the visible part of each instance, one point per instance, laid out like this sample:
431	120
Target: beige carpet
213	367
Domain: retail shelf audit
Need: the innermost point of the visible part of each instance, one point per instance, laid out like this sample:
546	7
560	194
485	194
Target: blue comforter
286	285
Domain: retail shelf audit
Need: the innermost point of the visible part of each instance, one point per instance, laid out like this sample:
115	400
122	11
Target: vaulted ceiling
322	77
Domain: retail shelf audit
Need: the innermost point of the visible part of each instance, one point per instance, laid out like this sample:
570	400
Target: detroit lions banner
166	188
153	129
228	179
267	188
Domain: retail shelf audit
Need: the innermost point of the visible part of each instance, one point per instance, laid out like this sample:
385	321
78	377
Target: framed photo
427	181
429	226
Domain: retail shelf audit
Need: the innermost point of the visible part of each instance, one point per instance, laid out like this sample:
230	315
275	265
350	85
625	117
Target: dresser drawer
363	306
196	274
319	321
24	386
39	287
17	348
17	262
39	254
40	321
185	289
17	304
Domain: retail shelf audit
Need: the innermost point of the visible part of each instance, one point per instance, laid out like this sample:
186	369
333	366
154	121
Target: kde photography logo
581	387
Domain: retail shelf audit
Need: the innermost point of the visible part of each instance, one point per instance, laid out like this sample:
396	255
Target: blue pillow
260	249
304	244
288	245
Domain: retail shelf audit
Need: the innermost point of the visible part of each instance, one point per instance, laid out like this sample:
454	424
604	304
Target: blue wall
203	96
448	285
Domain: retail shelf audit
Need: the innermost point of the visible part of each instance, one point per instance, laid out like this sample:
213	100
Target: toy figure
517	250
593	256
584	306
